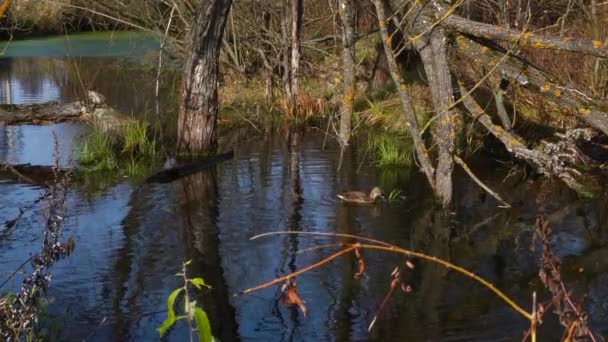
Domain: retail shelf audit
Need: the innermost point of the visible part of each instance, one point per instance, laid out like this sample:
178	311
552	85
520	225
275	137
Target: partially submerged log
40	114
170	174
93	111
39	175
550	163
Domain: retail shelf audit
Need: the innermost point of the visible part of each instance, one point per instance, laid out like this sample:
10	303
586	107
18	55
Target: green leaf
170	320
202	325
198	282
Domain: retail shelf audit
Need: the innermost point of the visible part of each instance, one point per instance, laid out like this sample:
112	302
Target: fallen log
93	111
550	164
39	175
170	174
40	114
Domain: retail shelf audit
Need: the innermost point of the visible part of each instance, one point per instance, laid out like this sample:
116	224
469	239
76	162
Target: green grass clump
131	152
390	150
97	152
136	141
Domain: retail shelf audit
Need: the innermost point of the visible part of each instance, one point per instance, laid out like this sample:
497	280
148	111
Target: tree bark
408	109
592	111
268	70
433	51
197	121
285	40
380	74
296	28
487	31
347	19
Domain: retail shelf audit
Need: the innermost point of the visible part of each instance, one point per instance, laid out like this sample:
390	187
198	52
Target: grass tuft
389	152
131	153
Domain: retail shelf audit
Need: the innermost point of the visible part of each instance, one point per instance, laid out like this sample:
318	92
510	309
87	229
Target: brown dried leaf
290	296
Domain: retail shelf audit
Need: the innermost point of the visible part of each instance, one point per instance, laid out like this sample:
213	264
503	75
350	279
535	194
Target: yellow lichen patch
4	7
389	41
403	87
545	87
514	142
498	28
526	35
484	49
597	44
584	111
540	45
382	24
557	93
566	39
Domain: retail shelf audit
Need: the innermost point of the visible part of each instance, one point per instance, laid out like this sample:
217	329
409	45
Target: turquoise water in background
133	44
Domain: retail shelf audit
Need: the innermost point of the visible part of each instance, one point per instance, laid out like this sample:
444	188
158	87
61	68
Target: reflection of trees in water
128	86
287	263
155	243
198	196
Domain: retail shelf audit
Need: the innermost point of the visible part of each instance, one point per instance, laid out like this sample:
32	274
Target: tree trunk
197	121
433	50
348	64
296	28
268	93
286	79
380	74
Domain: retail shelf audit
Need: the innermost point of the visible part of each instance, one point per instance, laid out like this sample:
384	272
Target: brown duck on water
359	197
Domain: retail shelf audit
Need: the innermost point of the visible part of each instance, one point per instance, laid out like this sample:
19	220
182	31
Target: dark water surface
131	240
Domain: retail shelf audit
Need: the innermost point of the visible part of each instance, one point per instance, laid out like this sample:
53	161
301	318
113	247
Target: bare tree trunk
433	50
348	64
296	28
197	121
268	93
380	74
285	39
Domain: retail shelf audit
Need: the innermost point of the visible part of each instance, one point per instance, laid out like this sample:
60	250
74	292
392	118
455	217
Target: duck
359	197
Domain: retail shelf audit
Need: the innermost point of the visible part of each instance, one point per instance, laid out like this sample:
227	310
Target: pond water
132	239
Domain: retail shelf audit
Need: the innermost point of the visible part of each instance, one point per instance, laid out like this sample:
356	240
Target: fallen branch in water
466	168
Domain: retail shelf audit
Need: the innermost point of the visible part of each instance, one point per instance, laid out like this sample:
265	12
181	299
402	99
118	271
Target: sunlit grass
136	141
390	150
97	152
130	153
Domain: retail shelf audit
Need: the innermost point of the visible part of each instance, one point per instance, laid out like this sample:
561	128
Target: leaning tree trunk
409	114
197	121
348	64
